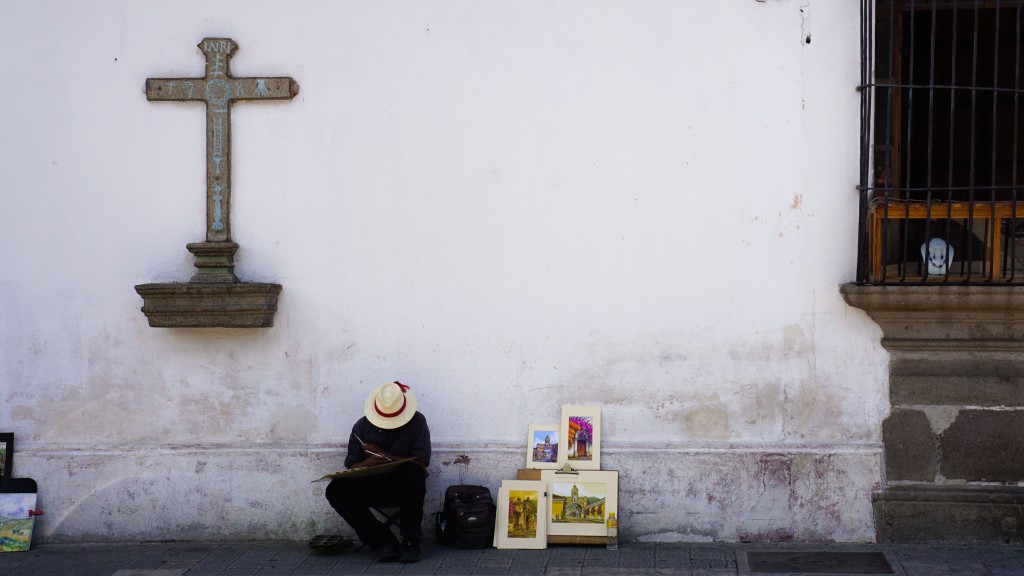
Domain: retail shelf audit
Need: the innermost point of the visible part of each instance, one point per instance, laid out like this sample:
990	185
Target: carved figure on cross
219	90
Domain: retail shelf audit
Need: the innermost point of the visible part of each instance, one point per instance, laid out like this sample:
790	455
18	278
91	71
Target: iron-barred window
941	148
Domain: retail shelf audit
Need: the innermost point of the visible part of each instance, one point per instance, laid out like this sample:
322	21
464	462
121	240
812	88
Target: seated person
391	430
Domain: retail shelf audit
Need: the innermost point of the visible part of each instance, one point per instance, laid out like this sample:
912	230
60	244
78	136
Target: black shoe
387	551
410	551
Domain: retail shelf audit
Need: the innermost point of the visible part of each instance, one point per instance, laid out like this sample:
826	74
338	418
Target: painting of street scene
15	524
578	502
545	446
522	513
581	438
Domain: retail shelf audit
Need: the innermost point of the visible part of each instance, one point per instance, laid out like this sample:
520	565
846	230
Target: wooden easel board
368	471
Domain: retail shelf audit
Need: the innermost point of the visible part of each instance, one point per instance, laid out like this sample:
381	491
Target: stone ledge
952	493
932	513
943	317
209	305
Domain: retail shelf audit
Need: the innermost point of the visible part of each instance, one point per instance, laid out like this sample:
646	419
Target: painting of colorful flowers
581	436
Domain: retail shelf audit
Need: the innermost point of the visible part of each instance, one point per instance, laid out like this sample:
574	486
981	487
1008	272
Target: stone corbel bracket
209	305
213	297
943	317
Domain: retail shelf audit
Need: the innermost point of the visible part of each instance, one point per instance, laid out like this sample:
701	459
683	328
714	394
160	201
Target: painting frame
510	492
572	415
18	500
6	455
555	480
535	459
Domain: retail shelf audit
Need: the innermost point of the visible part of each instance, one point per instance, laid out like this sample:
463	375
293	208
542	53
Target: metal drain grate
329	543
813	563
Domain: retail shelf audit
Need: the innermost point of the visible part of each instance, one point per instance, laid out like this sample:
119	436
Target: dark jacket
413	439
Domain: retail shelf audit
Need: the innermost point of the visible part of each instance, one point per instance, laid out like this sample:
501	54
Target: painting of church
544	449
578	502
522	513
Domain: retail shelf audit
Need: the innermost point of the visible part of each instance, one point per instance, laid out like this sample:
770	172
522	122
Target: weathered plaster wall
509	205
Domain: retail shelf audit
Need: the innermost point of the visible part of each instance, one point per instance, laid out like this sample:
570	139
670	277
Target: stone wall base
954	459
926	512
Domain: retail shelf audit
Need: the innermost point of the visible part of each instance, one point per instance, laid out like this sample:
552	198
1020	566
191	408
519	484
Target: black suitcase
467	519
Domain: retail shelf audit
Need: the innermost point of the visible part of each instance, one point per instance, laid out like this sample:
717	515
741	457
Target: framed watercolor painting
17	514
522	507
6	455
542	446
580	437
580	502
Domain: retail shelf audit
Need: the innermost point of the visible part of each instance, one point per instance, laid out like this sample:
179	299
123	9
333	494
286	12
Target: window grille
941	154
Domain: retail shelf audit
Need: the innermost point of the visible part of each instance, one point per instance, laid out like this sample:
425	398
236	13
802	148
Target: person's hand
374	450
371	449
375	456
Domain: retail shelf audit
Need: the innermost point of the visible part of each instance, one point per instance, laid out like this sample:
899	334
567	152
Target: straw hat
390	405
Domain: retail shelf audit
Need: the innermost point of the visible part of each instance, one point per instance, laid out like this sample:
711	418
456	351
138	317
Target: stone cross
219	90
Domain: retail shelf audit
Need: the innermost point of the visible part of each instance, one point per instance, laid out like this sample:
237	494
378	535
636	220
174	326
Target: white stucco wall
508	205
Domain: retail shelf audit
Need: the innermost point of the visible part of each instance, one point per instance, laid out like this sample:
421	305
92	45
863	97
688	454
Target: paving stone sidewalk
296	559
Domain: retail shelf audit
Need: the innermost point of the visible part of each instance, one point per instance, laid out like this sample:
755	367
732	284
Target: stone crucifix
219	90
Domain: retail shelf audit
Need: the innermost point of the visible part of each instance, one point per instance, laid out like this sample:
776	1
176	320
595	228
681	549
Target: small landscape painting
15	522
578	502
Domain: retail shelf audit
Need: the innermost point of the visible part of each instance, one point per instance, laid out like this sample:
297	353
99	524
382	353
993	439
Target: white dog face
938	254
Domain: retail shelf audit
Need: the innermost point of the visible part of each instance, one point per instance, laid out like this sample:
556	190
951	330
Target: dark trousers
353	497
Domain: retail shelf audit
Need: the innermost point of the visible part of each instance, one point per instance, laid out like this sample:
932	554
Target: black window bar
940	142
